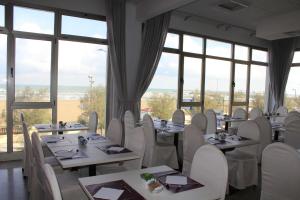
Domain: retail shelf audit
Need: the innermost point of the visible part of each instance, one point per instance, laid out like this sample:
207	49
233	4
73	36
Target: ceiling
248	17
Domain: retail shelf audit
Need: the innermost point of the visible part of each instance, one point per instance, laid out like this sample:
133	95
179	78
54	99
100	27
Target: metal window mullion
232	80
74	38
202	96
180	74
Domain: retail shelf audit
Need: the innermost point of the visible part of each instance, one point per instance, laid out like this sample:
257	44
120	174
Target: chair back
192	140
292	133
22	118
199	120
249	129
51	185
137	144
178	117
114	131
282	111
37	150
240	113
280	172
255	112
93	122
149	132
265	128
294	115
211	121
27	150
129	125
210	167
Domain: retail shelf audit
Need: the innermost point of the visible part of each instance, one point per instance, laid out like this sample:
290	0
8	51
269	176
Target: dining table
230	142
44	128
228	120
134	187
98	150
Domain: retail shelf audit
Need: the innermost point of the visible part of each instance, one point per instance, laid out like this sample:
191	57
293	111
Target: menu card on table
113	149
114	190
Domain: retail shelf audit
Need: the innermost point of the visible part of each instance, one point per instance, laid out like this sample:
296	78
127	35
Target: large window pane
32	117
259	55
257	86
83	27
2	15
33	20
296	58
192	79
192	44
172	41
240	88
3	133
33	68
217	84
81	81
217	48
241	52
161	97
292	91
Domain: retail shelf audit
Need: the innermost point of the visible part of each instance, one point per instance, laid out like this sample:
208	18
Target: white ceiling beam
147	9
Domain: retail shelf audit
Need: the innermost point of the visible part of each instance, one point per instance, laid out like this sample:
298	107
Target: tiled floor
12	185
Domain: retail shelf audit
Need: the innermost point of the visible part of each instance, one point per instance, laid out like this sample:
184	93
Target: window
192	79
161	97
2	16
83	27
217	85
296	58
76	99
240	88
217	48
241	52
259	55
257	86
32	56
192	44
292	90
33	20
3	56
172	41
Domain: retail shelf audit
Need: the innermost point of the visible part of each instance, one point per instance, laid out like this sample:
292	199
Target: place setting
113	149
67	154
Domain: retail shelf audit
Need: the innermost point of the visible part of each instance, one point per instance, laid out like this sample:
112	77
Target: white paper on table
118	149
176	180
108	193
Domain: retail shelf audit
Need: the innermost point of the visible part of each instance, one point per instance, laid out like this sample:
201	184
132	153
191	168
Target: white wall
87	6
205	27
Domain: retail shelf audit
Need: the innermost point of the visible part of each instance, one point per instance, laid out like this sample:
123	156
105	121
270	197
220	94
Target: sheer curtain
153	39
280	60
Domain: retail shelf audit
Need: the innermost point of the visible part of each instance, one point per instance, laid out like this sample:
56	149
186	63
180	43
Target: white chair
114	131
178	117
255	112
129	125
243	161
93	122
238	113
211	121
292	133
282	112
192	140
52	187
280	173
157	154
210	168
200	121
293	115
136	143
265	128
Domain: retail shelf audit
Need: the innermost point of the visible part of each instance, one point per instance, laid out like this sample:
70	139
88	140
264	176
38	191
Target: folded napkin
108	193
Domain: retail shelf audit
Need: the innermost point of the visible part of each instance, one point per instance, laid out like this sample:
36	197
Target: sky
79	60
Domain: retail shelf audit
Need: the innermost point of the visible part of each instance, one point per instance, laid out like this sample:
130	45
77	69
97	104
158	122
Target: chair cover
157	154
294	115
242	162
280	173
27	155
265	129
292	133
178	117
210	168
211	121
114	131
255	112
93	122
192	140
283	112
238	113
53	190
200	121
129	125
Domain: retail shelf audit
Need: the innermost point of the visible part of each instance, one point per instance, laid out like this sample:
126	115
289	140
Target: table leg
92	170
226	126
276	135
